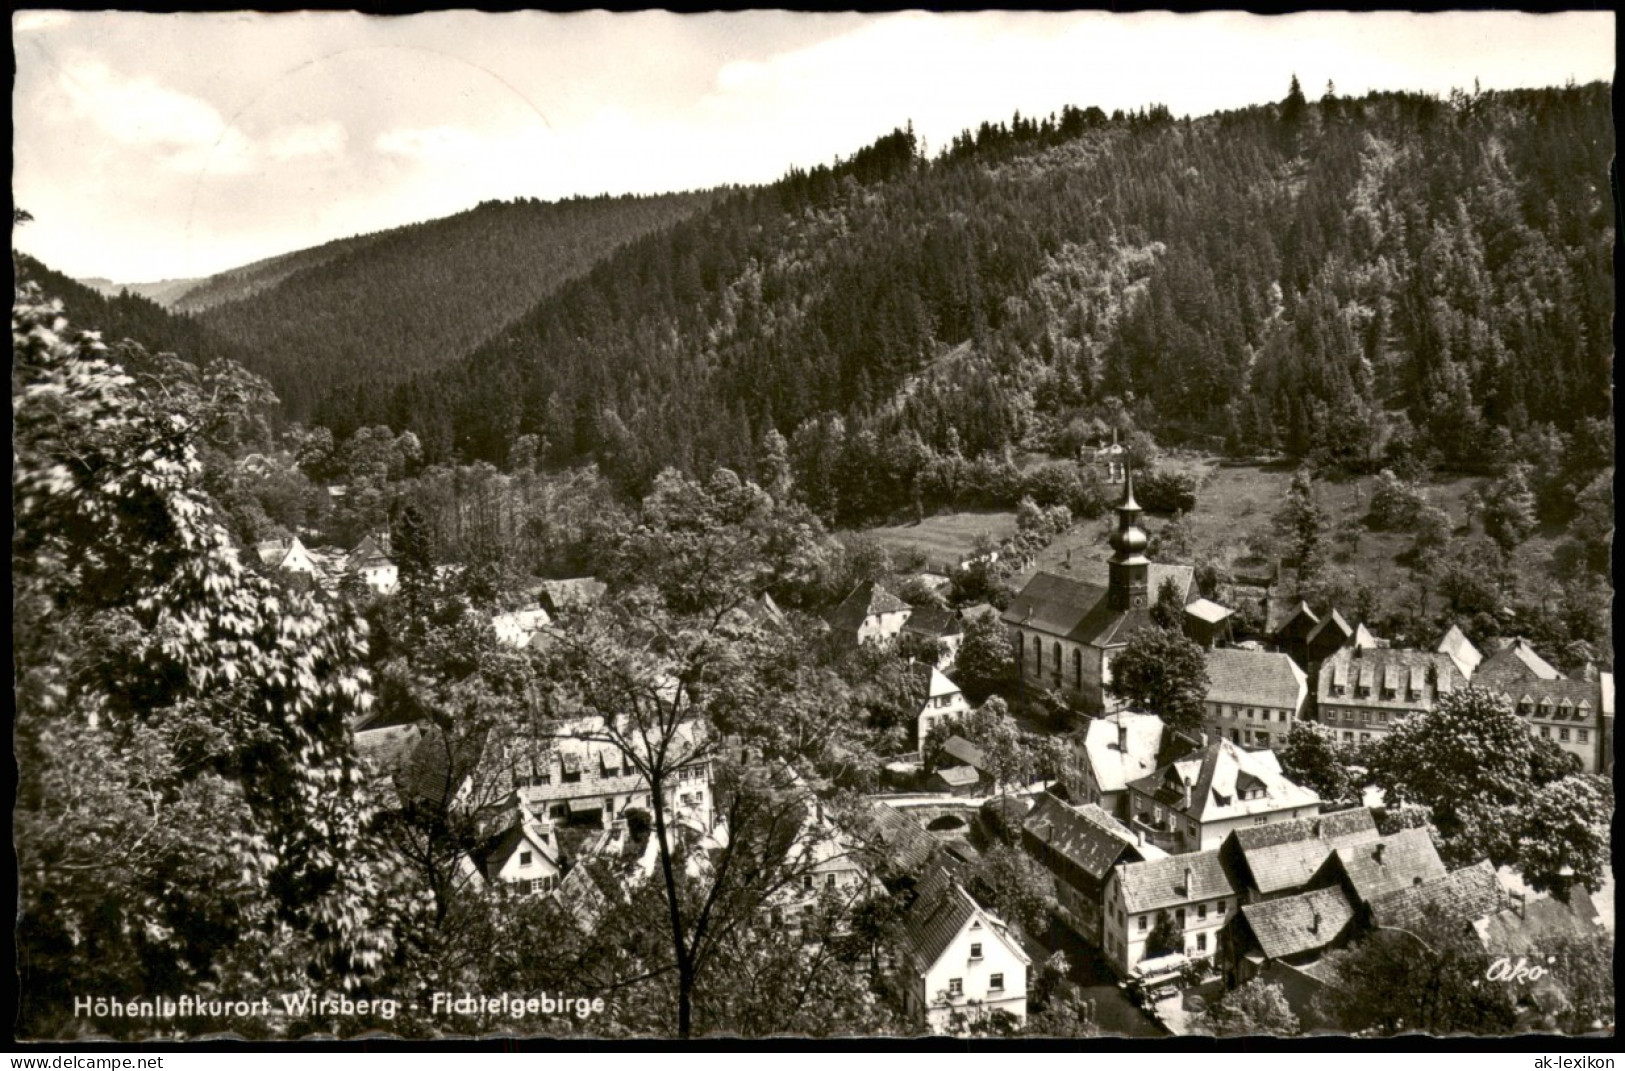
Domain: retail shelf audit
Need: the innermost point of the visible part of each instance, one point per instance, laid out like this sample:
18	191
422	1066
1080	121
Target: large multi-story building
1363	693
1193	803
1253	697
1181	903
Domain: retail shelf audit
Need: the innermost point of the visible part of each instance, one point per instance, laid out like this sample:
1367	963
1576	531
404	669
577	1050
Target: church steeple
1129	567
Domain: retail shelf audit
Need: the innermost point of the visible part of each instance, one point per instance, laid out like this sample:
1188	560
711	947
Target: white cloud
306	140
183	132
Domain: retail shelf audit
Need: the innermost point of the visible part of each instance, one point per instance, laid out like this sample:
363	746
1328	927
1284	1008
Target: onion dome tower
1130	569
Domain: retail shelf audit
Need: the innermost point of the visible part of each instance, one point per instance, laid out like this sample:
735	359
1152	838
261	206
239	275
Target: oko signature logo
1506	970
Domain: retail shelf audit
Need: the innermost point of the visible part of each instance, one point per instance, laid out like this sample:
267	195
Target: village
1185	862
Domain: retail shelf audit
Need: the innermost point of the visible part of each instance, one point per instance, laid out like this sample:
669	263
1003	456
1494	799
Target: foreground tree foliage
1492	791
1163	673
1259	1007
189	813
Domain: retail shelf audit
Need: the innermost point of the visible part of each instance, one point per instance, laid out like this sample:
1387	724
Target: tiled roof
369	552
905	840
1217	777
436	770
272	551
1296	924
1160	883
1461	896
1517	661
959	776
1112	768
1522	930
866	600
933	622
1092	839
1461	651
1056	605
965	751
1402	669
1255	678
1390	864
1285	855
939	913
505	843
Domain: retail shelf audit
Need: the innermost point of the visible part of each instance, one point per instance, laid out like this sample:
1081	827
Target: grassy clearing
947	537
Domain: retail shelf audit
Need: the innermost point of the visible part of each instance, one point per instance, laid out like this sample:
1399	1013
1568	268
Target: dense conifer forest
360	317
1353	280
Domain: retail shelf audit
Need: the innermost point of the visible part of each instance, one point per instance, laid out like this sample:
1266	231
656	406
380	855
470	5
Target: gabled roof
926	682
959	776
867	600
1300	623
1333	631
1517	661
1207	611
1055	605
273	551
1255	678
519	833
1461	650
934	623
1160	883
762	610
1217	776
436	770
1112	768
1538	925
1463	896
940	912
1390	864
1090	838
1293	925
1364	641
1285	855
370	552
910	846
966	752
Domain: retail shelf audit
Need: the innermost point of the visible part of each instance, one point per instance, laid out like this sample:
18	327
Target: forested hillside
130	316
386	305
1355	280
250	279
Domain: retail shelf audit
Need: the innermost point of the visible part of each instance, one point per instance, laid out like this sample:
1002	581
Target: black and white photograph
794	525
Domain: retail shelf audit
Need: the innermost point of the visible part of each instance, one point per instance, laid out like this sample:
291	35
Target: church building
1066	630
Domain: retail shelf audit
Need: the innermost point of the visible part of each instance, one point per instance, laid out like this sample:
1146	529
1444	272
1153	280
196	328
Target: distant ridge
165	291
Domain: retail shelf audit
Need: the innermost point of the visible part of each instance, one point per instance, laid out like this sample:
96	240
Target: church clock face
1139	600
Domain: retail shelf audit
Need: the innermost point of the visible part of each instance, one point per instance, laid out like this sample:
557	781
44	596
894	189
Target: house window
956	987
1546	732
1585	736
524	858
1261	738
1249	713
976	950
1221	907
1382	716
1201	911
829	881
1264	714
995	983
1261	819
806	882
1142	923
1563	734
1348	738
1201	942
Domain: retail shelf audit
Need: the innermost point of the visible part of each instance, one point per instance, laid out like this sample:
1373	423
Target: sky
173	146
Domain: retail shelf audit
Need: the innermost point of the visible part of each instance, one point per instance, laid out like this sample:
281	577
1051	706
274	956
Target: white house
1192	803
525	856
1191	895
288	555
934	697
958	957
371	561
871	614
1114	750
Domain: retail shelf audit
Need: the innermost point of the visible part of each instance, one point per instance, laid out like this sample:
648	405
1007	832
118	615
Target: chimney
1376	853
1185	800
1190	881
1122	735
1314	925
